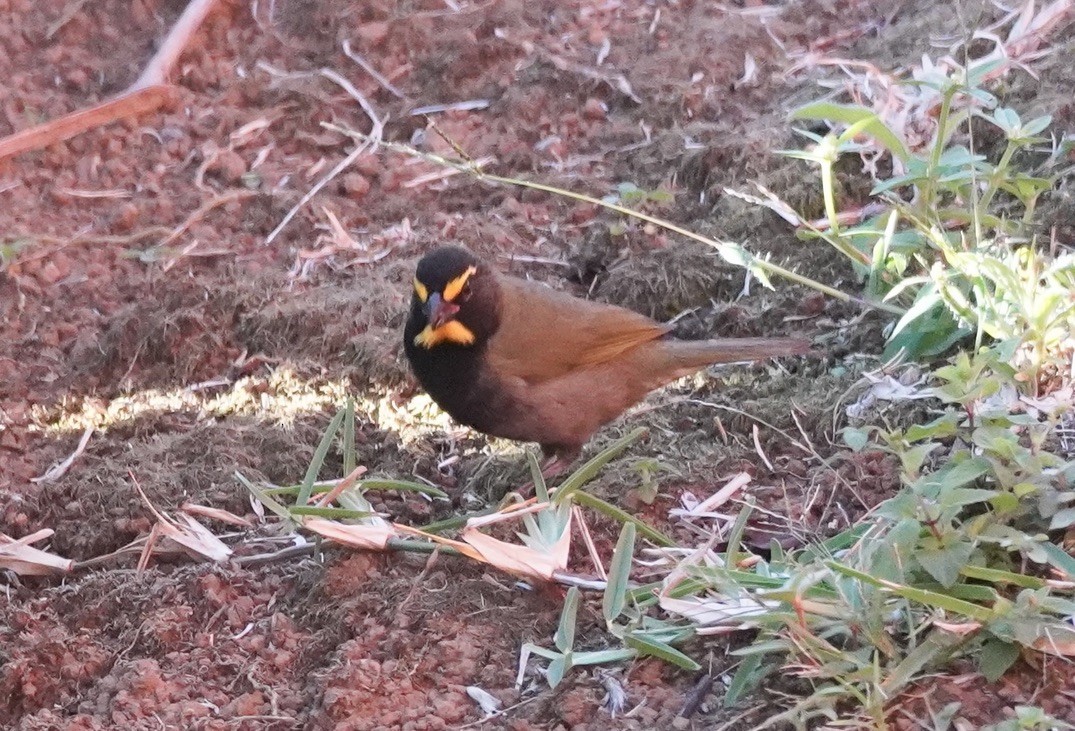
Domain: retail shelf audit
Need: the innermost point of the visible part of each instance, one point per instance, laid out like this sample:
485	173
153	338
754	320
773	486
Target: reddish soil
139	296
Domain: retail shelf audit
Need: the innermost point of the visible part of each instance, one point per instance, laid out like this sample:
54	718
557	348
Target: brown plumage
516	359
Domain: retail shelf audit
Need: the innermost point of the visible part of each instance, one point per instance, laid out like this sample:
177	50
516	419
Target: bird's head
455	299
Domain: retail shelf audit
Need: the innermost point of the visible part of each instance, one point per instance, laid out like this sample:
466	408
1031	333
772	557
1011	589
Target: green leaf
589	470
307	487
996	657
746	679
264	498
648	646
940	428
622	516
1038	125
1006	118
966	471
1059	559
945	563
350	460
600	657
936	648
619	574
855	438
557	670
564	639
961	496
854	114
1063	519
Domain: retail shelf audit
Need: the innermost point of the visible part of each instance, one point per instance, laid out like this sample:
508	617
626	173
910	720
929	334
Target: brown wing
545	334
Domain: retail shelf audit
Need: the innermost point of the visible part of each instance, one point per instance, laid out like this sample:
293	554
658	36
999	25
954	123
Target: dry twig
150	92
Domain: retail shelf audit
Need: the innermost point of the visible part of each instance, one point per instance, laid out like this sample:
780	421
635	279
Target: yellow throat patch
452	331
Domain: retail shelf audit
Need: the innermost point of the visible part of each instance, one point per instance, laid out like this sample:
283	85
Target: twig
728	250
200	212
498	714
58	470
260	559
127	104
443	173
148	93
370	141
616	81
469	105
73	8
377	76
156	71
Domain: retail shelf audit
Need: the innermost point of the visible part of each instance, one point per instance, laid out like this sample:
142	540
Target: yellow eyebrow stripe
420	290
454	287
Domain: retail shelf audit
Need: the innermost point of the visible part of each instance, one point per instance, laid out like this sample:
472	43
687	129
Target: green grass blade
735	538
655	648
922	596
350	459
609	510
263	497
541	490
331	512
372	484
564	639
589	470
747	677
619	573
307	487
454	522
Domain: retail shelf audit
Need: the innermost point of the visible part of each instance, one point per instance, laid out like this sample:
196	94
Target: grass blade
649	646
307	487
611	511
619	573
589	470
564	639
350	460
263	497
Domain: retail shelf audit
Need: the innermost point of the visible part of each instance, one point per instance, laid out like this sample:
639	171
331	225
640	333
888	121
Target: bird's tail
691	355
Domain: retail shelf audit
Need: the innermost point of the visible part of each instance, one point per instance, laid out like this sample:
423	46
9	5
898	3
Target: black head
455	300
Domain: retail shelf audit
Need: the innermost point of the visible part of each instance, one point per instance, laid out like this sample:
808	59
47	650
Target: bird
516	359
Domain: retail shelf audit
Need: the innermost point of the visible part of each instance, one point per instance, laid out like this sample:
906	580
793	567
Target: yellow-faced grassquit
518	360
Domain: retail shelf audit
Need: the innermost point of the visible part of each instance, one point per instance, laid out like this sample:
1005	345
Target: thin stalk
938	149
999	173
727	249
830	197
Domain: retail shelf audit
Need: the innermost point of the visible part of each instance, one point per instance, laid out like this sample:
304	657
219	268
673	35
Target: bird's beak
438	311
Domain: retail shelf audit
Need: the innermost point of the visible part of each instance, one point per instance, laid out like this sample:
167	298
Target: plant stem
728	250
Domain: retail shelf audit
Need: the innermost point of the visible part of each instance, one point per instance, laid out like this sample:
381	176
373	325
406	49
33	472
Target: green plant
638	633
950	236
959	562
1029	718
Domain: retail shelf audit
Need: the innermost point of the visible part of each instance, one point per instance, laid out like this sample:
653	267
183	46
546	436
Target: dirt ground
139	296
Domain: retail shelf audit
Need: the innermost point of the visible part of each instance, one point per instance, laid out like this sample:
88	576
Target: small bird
515	359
